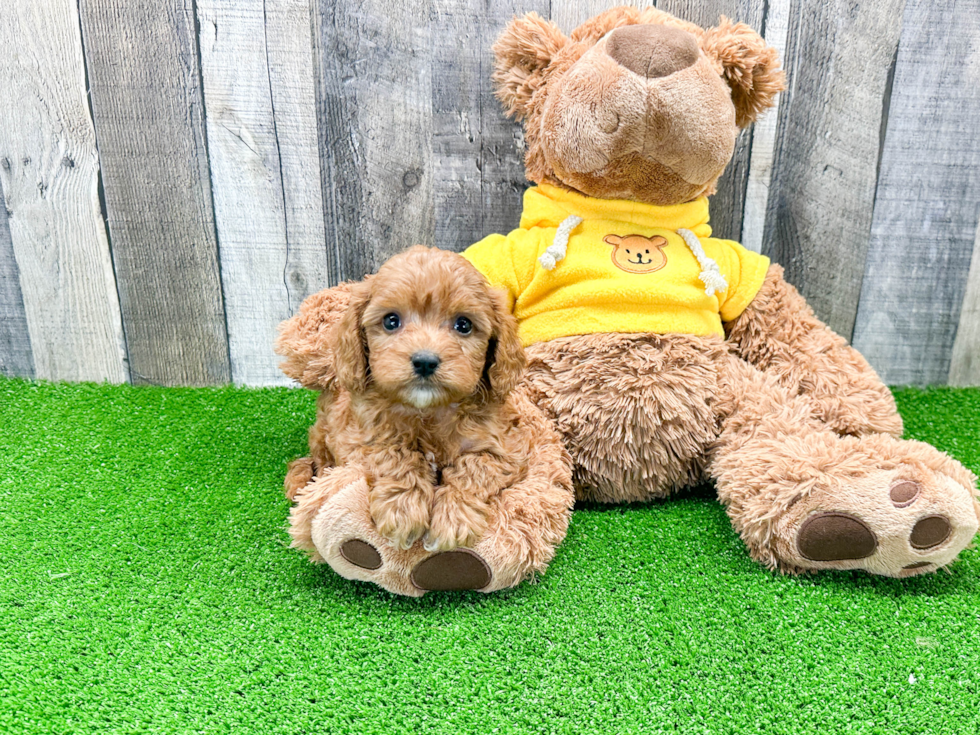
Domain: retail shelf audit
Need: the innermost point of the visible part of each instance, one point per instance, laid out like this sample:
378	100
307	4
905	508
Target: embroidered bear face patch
637	254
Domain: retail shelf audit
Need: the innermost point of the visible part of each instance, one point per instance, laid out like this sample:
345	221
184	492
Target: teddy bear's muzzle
652	50
643	115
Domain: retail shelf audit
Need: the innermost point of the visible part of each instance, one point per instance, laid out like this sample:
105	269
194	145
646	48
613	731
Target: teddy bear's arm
508	262
779	334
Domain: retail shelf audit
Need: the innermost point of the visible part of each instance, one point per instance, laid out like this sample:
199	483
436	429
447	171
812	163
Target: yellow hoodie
626	269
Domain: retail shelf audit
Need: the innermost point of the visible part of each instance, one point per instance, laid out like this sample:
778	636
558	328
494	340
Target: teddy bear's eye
391	322
463	325
647	252
627	252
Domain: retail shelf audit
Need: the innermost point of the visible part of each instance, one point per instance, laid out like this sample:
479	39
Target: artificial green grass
146	586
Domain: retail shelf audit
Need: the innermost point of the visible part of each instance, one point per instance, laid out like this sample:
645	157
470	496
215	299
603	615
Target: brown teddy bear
688	357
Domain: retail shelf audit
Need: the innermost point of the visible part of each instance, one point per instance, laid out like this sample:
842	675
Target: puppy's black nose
425	363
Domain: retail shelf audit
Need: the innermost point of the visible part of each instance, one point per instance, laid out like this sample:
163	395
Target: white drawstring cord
710	275
559	246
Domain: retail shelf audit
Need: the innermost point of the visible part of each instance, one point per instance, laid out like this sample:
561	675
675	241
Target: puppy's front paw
299	474
455	523
401	518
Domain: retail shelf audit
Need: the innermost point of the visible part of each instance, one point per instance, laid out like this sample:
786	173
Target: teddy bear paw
461	569
888	523
346	538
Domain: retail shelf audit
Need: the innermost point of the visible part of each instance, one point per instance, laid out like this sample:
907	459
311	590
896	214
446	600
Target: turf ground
146	586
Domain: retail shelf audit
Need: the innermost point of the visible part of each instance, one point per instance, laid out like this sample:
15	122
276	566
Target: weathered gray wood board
964	367
928	198
478	154
146	96
838	55
375	111
757	186
258	271
16	358
289	44
49	176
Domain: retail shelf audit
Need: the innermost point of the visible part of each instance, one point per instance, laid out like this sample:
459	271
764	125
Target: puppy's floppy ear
749	67
522	52
304	338
505	355
349	343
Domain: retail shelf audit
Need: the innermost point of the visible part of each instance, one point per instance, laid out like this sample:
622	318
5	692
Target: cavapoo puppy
424	359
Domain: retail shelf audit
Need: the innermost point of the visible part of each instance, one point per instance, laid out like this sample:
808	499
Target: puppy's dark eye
627	252
463	325
391	322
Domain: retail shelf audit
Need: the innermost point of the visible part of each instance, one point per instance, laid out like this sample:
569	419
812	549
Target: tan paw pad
900	522
461	569
361	554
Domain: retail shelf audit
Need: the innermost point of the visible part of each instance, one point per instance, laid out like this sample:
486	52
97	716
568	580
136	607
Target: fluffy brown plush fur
779	334
595	126
434	442
873	501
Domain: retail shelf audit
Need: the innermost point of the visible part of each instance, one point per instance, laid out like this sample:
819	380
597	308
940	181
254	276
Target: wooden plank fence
176	176
925	215
49	172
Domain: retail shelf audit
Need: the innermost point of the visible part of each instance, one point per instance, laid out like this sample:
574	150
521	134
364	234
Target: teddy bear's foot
346	538
361	554
892	526
890	507
332	522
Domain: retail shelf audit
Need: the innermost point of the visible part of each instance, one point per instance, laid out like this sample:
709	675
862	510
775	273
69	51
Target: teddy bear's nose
652	51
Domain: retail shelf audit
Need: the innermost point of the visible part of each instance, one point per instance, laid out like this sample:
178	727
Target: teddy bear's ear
522	52
749	67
